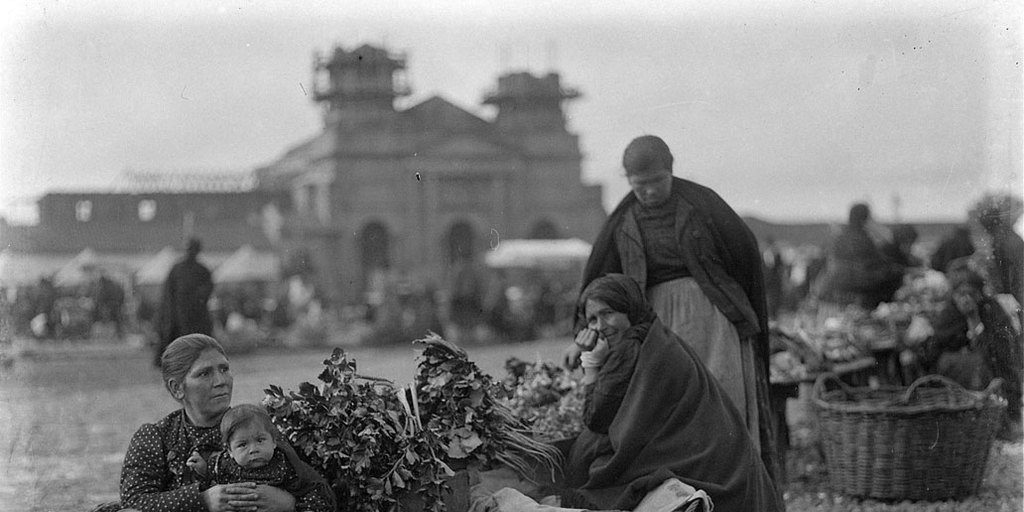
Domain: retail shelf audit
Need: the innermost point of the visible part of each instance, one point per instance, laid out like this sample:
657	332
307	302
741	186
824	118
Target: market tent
22	269
78	270
248	265
154	271
541	254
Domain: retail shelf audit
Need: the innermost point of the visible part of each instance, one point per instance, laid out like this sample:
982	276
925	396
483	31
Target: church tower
358	85
529	103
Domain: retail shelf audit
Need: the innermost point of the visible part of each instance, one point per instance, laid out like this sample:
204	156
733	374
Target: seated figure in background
900	249
857	272
975	340
957	244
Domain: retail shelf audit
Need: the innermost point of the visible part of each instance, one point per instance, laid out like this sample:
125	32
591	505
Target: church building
416	191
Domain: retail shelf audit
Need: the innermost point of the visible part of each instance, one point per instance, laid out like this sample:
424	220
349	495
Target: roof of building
194	181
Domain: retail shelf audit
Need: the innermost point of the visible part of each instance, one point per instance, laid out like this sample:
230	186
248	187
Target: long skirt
682	306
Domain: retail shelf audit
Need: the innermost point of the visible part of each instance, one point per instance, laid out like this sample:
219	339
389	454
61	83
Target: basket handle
819	384
950	386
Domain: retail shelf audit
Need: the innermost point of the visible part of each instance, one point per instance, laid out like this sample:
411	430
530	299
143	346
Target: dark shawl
674	421
1007	265
737	256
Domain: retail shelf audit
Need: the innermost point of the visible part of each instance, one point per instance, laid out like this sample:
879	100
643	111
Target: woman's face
651	188
610	324
966	298
206	391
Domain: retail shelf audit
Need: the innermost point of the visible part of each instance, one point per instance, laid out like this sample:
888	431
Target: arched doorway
460	242
544	229
374	256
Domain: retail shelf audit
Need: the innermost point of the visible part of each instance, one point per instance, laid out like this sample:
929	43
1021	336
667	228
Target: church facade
420	190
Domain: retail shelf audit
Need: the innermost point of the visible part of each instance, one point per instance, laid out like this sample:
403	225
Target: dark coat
183	307
1007	264
721	253
857	272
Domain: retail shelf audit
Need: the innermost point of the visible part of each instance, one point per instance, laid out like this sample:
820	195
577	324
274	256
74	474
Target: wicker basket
913	443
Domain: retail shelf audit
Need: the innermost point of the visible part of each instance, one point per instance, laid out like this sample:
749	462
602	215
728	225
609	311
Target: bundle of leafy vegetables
466	408
547	397
356	432
377	443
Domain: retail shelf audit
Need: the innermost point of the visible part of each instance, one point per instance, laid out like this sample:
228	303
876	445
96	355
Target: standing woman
700	267
154	477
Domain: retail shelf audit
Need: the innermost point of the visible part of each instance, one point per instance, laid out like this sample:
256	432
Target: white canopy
550	254
155	270
78	270
248	265
20	269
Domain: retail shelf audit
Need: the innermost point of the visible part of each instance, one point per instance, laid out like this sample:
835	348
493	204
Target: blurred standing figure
46	304
900	249
955	245
183	308
701	269
467	292
856	271
775	277
1007	260
109	302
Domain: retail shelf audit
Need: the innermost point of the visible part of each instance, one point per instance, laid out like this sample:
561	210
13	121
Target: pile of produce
922	294
378	444
831	336
464	406
547	397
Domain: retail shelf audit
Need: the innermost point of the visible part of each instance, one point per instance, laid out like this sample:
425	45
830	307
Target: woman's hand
585	340
230	497
273	499
595	357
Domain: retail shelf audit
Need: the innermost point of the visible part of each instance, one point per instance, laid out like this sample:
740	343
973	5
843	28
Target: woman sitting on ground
154	476
653	412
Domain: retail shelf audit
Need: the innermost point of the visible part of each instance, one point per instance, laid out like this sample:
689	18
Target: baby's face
251	446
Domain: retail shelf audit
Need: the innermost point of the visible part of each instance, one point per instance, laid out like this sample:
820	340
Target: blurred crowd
864	263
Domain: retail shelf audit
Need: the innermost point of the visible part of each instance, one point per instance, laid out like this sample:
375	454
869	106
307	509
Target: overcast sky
790	110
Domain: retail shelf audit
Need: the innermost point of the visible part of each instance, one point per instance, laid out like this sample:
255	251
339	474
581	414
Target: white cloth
671	496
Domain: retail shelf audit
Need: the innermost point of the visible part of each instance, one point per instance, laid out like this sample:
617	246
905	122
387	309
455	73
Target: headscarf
963	271
621	293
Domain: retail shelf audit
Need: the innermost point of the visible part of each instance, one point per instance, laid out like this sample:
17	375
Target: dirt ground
67	414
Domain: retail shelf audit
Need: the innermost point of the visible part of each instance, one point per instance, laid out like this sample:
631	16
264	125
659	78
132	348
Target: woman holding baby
175	464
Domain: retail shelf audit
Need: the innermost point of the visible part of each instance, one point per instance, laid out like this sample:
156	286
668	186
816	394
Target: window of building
83	211
147	210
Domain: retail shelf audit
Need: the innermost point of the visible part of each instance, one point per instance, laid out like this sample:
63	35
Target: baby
253	453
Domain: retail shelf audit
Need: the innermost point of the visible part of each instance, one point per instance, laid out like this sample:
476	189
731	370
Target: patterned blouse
154	477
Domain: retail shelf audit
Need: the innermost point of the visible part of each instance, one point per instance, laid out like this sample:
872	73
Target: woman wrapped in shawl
653	412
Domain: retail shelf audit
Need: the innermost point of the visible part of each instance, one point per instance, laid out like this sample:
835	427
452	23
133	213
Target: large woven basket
915	443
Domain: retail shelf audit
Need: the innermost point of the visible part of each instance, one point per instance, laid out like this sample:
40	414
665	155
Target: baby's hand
196	462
